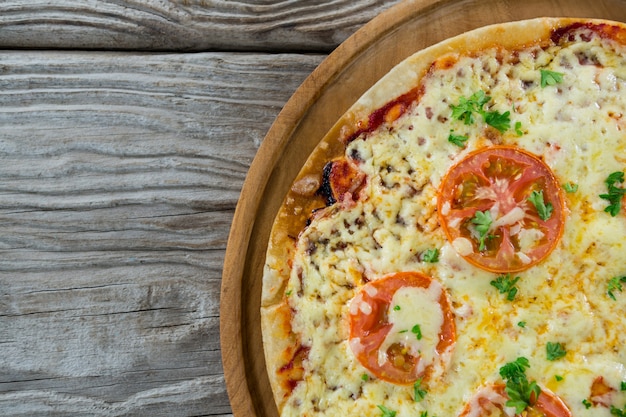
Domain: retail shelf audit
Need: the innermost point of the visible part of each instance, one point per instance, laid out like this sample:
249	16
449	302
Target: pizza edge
281	347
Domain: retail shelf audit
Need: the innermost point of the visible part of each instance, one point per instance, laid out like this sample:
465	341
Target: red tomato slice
491	401
498	182
398	362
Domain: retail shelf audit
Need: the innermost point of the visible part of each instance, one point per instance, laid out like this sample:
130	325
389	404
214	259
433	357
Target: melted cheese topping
416	307
578	128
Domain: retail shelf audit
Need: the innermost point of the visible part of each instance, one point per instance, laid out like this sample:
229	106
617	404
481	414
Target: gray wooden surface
126	131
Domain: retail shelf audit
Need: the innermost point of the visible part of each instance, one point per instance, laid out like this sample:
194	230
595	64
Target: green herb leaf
550	77
518	129
555	351
506	285
431	256
518	388
558	378
458	140
615	194
615	284
543	210
521	324
386	412
501	121
587	403
468	106
570	187
623	386
466	109
617	412
482	220
365	377
515	369
418	392
417	331
397	308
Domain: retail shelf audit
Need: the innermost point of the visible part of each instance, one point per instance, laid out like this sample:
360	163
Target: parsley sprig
615	194
417	331
570	187
543	210
555	350
467	107
482	221
501	121
418	392
618	412
386	412
550	77
431	256
458	140
615	284
518	388
506	285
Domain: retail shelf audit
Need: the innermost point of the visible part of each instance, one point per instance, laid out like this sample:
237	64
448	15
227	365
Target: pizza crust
278	339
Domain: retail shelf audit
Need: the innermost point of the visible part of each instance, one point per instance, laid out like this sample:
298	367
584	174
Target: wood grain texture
184	25
120	175
352	68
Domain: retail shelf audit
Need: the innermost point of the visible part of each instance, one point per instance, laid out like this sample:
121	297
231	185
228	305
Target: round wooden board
324	96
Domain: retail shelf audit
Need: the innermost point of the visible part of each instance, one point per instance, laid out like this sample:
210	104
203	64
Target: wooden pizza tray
323	97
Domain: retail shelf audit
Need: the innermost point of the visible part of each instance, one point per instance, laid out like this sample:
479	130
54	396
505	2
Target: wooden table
126	131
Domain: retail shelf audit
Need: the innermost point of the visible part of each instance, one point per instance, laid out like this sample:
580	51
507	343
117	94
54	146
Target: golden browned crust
279	343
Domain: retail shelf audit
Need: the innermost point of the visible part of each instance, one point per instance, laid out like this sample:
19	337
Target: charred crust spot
355	155
325	190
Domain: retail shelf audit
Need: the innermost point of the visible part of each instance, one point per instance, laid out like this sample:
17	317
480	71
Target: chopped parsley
550	78
518	129
622	386
506	285
615	284
518	388
417	331
365	377
521	324
431	256
418	392
615	194
501	121
555	350
543	210
458	140
570	187
482	221
386	412
617	412
468	106
558	378
397	308
587	404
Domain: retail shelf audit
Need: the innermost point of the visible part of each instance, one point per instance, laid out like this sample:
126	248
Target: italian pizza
456	244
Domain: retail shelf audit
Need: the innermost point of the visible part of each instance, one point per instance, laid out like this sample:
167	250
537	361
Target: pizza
456	244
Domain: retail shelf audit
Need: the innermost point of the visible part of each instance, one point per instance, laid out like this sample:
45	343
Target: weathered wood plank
184	25
119	176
